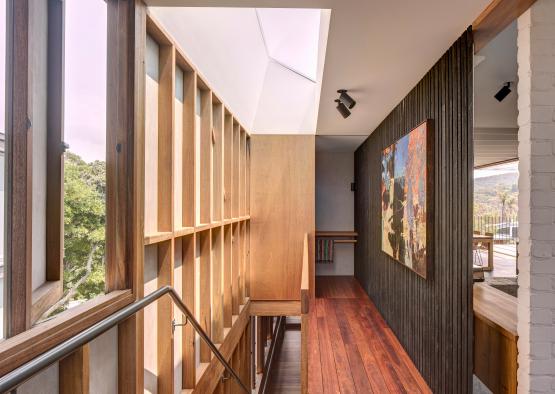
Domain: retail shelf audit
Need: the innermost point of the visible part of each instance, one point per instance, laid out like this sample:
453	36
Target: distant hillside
490	191
509	181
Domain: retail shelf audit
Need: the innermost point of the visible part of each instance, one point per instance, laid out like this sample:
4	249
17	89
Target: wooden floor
286	375
351	348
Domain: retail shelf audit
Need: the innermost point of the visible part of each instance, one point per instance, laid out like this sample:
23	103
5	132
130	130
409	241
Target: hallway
351	349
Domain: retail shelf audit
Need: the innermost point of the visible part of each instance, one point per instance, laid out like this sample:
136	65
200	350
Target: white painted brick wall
536	106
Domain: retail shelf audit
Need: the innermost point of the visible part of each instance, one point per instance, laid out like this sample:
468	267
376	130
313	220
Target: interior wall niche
432	318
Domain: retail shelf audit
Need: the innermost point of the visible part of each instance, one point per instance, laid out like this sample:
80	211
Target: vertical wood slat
260	344
432	318
188	150
74	373
217	279
125	209
217	160
205	161
188	282
124	149
235	269
242	262
235	157
166	121
18	169
55	137
247	176
165	317
247	259
205	315
228	165
242	155
228	286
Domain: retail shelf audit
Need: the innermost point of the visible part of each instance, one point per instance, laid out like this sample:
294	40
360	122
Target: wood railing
305	305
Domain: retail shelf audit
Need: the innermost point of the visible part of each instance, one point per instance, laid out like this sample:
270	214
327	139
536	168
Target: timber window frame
123	197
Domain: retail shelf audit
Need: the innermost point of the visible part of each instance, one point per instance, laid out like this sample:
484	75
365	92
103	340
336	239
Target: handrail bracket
176	324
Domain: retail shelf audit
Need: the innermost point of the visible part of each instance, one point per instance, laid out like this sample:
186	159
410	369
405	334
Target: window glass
84	131
496	201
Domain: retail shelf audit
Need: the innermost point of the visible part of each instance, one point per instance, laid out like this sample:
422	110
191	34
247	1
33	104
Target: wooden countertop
496	308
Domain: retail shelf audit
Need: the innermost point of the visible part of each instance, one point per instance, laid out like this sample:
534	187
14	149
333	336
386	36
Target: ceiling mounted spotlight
344	111
346	99
503	92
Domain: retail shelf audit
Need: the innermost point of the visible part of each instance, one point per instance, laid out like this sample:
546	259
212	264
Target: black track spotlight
346	99
503	92
344	111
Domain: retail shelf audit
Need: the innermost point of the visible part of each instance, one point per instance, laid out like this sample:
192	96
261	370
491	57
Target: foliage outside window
84	231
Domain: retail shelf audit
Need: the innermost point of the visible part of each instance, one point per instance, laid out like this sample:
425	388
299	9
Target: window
496	201
84	159
496	235
67	53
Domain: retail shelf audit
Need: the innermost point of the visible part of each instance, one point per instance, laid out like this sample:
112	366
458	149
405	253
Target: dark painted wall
432	318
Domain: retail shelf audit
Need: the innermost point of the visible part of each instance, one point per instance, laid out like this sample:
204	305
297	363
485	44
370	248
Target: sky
85	76
506	168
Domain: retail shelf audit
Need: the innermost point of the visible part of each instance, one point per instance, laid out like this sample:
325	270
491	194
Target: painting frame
406	233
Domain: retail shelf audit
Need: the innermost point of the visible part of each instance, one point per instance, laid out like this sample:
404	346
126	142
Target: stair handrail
13	379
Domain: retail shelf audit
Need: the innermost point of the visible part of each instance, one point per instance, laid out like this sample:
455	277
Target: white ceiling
497	65
376	49
495	123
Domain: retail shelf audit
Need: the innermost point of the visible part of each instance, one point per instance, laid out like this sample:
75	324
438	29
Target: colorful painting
405	197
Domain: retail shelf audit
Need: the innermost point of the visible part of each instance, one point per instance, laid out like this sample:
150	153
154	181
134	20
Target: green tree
84	230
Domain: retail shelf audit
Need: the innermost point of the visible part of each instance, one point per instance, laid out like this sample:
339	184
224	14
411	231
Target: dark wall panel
432	318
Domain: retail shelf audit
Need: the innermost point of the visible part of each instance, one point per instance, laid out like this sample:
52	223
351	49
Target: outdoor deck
504	261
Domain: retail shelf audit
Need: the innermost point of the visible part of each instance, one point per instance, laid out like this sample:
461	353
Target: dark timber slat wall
432	318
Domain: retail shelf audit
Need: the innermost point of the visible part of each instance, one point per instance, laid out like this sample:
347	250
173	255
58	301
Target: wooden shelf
161	236
157	237
180	232
344	241
331	234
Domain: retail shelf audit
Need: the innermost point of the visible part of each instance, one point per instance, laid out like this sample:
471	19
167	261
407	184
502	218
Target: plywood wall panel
282	211
431	317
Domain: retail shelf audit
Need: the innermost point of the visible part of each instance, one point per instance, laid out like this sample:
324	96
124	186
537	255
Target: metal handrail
16	377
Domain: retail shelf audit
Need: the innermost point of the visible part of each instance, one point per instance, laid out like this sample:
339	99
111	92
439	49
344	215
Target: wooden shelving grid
196	215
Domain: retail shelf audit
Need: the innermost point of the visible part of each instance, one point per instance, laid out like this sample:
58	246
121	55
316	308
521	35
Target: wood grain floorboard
351	348
286	375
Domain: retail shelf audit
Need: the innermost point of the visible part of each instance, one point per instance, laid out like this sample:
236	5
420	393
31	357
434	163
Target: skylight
291	37
254	58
